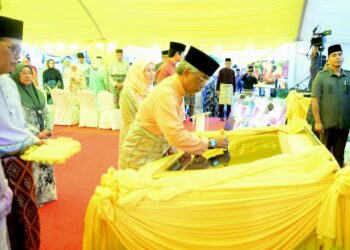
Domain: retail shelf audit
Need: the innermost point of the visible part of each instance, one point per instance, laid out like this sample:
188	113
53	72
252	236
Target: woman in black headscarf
52	78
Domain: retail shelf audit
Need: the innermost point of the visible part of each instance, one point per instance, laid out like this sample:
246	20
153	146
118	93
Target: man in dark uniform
225	88
331	104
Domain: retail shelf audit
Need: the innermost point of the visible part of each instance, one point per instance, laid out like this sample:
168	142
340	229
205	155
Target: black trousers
335	141
221	111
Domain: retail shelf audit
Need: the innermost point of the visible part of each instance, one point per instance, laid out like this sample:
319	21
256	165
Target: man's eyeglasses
203	80
149	70
15	49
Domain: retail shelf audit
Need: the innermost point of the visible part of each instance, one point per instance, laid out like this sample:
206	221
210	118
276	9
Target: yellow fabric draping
266	201
207	24
54	151
297	106
333	226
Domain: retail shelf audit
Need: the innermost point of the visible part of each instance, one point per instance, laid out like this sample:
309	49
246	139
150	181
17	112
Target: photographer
249	80
317	63
317	59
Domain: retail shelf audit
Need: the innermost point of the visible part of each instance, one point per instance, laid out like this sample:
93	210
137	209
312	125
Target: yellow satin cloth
264	200
297	106
54	151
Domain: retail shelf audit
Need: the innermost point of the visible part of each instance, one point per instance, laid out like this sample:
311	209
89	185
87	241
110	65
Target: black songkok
201	61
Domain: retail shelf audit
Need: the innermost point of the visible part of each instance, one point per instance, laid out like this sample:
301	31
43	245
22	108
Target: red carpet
62	221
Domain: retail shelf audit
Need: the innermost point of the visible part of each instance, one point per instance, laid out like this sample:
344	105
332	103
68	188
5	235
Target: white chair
89	114
201	121
50	107
65	112
110	117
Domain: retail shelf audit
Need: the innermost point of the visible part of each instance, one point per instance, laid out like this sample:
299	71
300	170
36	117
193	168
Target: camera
318	38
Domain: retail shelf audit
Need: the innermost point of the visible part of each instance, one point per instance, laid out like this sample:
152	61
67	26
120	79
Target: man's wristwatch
212	143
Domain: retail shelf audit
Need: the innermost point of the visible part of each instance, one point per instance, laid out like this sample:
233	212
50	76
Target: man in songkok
225	88
164	59
84	67
158	128
23	221
117	71
331	104
249	80
168	68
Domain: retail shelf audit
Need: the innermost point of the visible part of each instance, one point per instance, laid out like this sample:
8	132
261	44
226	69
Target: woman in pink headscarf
137	85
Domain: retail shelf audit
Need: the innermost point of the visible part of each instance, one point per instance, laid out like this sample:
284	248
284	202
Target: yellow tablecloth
264	200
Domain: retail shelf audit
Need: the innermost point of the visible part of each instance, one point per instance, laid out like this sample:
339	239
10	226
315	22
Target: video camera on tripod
318	38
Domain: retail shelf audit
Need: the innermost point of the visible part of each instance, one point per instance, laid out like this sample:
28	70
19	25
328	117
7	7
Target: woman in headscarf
52	79
75	79
98	77
137	85
209	99
37	118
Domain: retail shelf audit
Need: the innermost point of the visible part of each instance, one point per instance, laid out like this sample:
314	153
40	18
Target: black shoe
222	119
191	119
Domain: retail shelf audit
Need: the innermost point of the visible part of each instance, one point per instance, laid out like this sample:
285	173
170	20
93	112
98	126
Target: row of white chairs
88	113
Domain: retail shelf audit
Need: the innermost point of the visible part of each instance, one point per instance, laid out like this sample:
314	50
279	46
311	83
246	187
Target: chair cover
89	114
65	112
110	117
50	107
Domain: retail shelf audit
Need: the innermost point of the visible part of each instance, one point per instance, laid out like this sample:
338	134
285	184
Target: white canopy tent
246	30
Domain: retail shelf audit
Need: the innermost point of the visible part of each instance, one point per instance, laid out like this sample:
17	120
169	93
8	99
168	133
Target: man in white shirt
23	221
84	67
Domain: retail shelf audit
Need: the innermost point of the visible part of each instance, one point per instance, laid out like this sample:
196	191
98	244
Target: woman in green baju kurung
38	121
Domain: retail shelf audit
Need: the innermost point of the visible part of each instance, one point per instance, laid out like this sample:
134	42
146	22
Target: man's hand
221	141
41	142
217	93
44	134
172	150
185	158
319	127
119	86
6	203
314	52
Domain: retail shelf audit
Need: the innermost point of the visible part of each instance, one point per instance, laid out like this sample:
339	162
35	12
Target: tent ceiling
328	16
208	24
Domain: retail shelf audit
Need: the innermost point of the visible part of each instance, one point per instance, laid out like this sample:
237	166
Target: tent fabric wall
228	25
